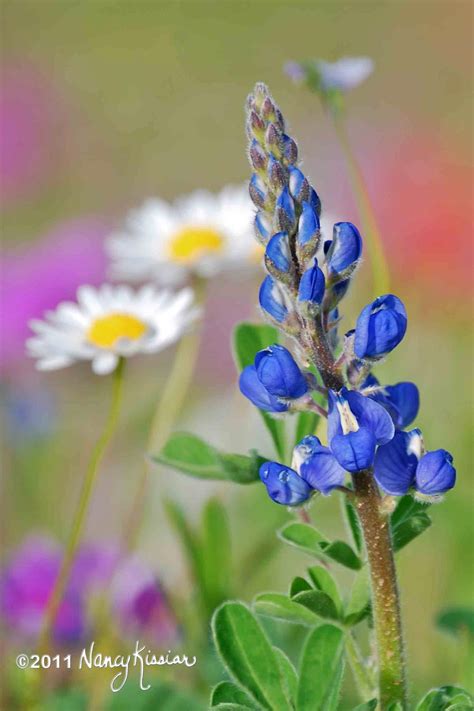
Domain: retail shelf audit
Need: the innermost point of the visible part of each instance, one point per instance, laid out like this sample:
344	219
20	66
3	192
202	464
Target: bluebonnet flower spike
284	485
380	327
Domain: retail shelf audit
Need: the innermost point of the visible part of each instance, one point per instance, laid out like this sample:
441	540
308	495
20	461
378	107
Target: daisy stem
165	415
380	270
83	507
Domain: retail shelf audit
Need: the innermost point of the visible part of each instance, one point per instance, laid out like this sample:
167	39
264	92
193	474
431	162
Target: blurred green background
130	99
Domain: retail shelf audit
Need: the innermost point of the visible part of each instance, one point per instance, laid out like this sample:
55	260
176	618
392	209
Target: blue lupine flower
298	183
396	462
273	380
278	252
317	465
356	425
435	473
380	327
401	400
312	285
256	392
283	484
273	300
285	210
278	371
263	226
402	464
345	250
308	225
314	201
257	190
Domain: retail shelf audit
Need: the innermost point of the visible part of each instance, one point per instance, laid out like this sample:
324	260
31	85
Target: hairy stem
385	596
80	515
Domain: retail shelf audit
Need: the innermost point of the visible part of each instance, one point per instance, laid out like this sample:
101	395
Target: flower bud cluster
307	277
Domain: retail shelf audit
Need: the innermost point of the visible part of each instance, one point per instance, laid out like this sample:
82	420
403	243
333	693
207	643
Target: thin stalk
83	507
380	271
363	678
384	588
164	418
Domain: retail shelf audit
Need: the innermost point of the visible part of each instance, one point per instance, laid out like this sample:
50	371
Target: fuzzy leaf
320	670
318	602
299	584
280	607
324	581
289	676
193	456
249	338
248	655
368	706
216	556
342	553
312	542
409	529
228	693
442	698
353	523
358	607
406	507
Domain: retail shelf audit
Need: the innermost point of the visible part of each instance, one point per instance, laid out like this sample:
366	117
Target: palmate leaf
248	655
321	669
249	338
193	456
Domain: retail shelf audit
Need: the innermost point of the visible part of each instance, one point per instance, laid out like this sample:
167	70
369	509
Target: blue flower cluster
307	278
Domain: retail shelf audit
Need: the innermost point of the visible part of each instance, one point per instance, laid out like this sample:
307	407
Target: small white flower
110	322
201	234
346	73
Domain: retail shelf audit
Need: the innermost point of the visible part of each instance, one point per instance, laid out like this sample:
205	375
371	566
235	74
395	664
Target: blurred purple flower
30	413
137	601
141	605
30	111
36	278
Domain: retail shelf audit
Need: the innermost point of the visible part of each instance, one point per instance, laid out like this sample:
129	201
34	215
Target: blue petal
354	451
279	373
278	251
283	484
371	415
263	225
308	225
322	471
346	247
406	398
380	327
395	465
272	299
286	205
312	285
298	183
435	473
255	391
314	201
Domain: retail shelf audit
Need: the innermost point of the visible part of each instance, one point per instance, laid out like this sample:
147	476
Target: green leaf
406	507
312	542
289	676
299	584
249	338
306	425
216	558
358	606
320	670
228	693
230	707
342	553
318	602
456	620
193	456
280	607
189	540
441	698
248	655
324	581
353	523
368	706
411	528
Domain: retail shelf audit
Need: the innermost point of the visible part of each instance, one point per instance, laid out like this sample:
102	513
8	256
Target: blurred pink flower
30	112
36	278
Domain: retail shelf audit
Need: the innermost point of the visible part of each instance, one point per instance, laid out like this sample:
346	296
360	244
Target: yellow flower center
104	332
191	243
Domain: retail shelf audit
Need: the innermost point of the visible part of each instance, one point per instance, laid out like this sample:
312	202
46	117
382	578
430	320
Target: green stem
385	596
82	508
380	271
363	678
164	418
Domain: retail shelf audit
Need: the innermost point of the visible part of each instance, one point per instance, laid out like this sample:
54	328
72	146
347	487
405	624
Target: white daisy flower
110	322
201	234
